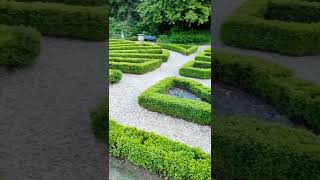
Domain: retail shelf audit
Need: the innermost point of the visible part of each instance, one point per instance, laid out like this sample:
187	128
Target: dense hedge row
297	98
141	51
158	154
18	45
131	47
156	99
141	67
247	27
114	76
164	56
183	49
88	23
73	2
296	11
246	150
198	68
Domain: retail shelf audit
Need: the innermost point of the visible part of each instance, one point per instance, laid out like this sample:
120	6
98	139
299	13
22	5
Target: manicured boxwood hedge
183	49
246	150
156	99
141	67
204	56
52	19
140	51
297	98
131	47
164	56
247	27
114	75
190	69
73	2
18	45
158	154
199	68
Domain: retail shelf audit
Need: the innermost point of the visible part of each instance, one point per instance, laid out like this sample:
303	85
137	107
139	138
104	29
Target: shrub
196	70
114	76
244	149
298	99
187	37
141	67
132	47
185	50
73	2
139	51
88	23
164	56
18	45
156	99
99	119
248	28
158	154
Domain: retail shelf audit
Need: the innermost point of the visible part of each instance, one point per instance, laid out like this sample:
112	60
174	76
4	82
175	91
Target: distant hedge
248	27
72	2
156	99
158	154
52	19
297	98
244	149
164	56
183	49
114	76
18	45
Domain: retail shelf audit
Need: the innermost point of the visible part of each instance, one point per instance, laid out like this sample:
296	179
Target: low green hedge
99	119
246	150
141	67
132	47
114	76
18	45
248	28
156	99
296	11
138	51
297	98
158	154
164	56
203	57
196	70
72	2
183	49
88	23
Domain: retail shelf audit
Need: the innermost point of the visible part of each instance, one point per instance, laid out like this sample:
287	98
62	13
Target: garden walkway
306	67
44	114
124	107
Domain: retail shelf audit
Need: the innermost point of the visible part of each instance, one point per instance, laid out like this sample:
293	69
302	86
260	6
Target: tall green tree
124	10
181	13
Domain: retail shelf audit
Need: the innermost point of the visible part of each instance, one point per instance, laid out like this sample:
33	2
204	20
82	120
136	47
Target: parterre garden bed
200	67
135	58
22	23
289	27
246	149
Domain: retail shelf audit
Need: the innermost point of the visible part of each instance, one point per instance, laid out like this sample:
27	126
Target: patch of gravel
124	107
182	93
44	114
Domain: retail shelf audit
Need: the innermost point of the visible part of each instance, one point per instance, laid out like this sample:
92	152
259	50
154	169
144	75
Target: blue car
150	38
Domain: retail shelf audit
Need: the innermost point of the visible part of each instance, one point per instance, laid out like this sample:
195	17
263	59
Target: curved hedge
156	99
18	45
114	76
158	154
246	150
141	66
183	49
52	19
248	27
297	98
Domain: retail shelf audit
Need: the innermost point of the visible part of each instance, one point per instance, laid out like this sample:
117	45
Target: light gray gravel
124	107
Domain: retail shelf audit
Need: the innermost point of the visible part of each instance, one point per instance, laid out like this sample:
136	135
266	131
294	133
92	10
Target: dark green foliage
296	11
18	45
297	98
142	66
114	76
246	150
164	56
88	23
158	154
183	49
187	37
99	119
156	99
248	28
73	2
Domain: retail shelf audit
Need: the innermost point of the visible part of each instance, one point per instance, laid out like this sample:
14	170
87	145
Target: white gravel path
124	107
